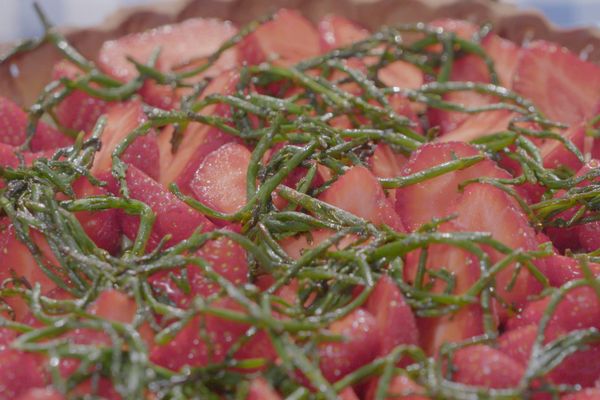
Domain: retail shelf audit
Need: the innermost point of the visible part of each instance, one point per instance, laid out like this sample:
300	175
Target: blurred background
17	19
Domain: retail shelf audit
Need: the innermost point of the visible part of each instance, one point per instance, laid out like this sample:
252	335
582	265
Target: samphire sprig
287	130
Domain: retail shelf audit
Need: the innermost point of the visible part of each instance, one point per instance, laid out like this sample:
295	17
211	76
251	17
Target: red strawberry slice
190	348
224	255
198	140
122	119
456	327
348	394
180	49
560	269
579	309
401	74
484	366
484	208
220	181
588	234
101	226
472	68
173	217
578	236
41	394
178	43
395	321
295	246
213	140
6	335
285	40
336	31
564	87
400	387
114	306
260	389
516	343
78	111
19	372
360	346
579	368
359	192
8	156
587	394
13	129
479	125
386	163
419	203
110	305
556	155
463	29
16	260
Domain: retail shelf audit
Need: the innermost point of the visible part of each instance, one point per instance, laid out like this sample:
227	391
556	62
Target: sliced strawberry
578	236
114	306
79	110
13	129
348	394
41	394
19	372
180	50
505	55
564	87
400	387
296	245
285	40
419	203
579	368
6	335
456	327
587	394
556	155
260	389
8	156
198	140
101	226
220	181
336	31
190	347
580	309
359	347
173	217
472	68
463	29
111	305
359	192
214	139
100	388
386	163
484	208
481	124
484	366
560	269
225	256
516	343
17	261
401	74
122	119
395	321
